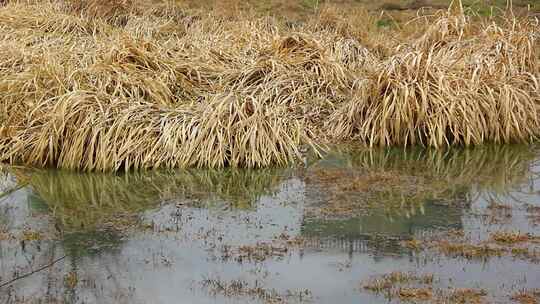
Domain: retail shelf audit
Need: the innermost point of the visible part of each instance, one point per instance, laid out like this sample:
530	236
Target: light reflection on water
184	218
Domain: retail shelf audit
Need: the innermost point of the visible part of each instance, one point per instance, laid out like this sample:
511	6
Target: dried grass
101	85
461	83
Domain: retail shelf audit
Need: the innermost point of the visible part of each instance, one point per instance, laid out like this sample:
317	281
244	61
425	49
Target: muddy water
187	236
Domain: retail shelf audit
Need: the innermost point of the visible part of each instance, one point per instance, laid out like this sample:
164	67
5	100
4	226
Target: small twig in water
10	191
32	272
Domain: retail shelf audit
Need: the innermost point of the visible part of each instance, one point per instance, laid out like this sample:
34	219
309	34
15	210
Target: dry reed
100	85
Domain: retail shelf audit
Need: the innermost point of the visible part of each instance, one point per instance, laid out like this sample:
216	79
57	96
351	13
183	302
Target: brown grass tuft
115	11
526	296
455	85
101	85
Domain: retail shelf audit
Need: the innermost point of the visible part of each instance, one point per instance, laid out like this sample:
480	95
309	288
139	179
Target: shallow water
157	237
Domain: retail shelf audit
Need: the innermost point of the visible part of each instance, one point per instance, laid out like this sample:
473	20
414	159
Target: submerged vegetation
112	85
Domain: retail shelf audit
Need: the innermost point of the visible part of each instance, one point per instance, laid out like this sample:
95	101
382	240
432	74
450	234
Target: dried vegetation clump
388	281
500	243
533	214
348	192
467	295
469	251
4	236
241	288
513	238
112	85
410	287
526	296
279	248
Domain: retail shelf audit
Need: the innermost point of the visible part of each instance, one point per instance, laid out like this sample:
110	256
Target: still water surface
156	237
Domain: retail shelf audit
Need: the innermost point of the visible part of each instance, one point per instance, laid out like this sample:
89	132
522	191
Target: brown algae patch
71	280
500	243
354	192
465	249
391	284
253	253
468	250
467	295
27	235
526	296
410	294
31	235
4	236
411	287
533	214
453	243
533	209
513	238
497	206
338	201
498	213
261	251
240	288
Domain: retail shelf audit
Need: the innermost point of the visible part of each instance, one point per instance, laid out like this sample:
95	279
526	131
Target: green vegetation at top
398	9
112	85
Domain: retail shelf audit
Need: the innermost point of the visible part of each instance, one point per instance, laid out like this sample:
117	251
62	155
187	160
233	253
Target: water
164	237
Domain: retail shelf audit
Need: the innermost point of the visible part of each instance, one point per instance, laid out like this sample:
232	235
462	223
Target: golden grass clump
455	85
82	131
106	9
101	85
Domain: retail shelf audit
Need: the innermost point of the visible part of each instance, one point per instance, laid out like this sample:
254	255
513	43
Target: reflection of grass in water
86	200
6	186
452	174
3	192
435	217
80	244
493	167
238	187
403	180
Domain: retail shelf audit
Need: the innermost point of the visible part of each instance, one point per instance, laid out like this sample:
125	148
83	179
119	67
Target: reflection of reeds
86	200
7	184
491	167
403	180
